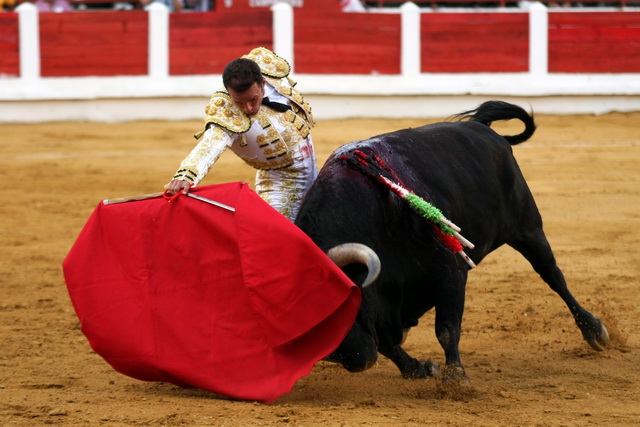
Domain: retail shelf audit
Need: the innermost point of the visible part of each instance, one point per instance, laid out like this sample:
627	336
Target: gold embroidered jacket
266	140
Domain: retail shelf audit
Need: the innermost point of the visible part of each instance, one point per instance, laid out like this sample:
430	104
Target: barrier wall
93	44
594	42
405	62
203	43
348	43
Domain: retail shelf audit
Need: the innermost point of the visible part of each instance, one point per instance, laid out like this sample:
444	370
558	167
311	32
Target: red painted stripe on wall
109	43
594	42
102	43
475	42
9	45
203	43
347	43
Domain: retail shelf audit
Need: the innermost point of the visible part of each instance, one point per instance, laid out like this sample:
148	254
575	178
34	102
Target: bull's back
464	168
442	159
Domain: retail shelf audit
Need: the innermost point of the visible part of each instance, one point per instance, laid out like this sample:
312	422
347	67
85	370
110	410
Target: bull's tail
491	111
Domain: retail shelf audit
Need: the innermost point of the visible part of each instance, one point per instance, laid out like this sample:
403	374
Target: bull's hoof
455	384
599	340
431	367
455	374
424	369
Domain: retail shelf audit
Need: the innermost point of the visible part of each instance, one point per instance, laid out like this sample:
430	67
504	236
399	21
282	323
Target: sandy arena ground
527	360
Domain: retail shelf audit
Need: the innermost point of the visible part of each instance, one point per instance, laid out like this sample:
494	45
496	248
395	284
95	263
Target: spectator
173	5
7	5
352	6
53	6
197	5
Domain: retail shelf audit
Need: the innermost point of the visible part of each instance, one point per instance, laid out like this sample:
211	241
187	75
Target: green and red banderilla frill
447	231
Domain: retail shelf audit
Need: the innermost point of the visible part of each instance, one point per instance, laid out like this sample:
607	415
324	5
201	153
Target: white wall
160	96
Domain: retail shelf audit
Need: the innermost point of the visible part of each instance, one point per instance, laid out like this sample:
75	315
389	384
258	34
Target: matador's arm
196	165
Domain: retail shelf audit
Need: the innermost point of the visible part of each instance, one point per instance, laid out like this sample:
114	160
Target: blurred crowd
71	5
375	4
346	5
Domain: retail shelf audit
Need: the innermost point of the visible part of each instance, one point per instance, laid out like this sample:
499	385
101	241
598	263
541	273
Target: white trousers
284	188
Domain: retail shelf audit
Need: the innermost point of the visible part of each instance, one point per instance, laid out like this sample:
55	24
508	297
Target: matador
265	121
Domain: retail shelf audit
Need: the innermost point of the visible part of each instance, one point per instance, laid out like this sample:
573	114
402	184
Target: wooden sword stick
154	195
131	198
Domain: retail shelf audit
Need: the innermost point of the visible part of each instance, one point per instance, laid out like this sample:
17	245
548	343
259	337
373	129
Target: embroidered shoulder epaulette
270	64
275	69
223	112
300	105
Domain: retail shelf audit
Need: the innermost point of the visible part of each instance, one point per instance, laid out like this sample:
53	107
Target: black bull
466	170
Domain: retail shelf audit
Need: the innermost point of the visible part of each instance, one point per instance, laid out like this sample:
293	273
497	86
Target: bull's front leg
448	326
409	366
449	338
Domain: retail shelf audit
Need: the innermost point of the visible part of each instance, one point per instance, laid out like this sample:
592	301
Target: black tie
275	105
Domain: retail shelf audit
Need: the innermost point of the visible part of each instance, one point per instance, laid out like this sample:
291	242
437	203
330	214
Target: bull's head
359	350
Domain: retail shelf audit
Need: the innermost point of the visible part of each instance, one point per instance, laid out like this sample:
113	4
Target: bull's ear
351	253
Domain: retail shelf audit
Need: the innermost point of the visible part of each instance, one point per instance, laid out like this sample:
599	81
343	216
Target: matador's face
250	100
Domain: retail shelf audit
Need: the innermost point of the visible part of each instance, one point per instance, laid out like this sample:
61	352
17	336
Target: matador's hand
177	185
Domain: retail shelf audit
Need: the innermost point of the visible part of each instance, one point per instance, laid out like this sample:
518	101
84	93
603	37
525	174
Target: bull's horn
350	253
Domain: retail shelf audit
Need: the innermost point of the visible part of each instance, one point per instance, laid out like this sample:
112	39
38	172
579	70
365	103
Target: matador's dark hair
240	74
